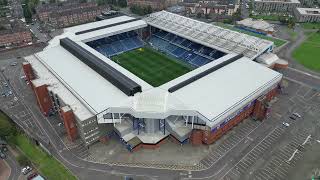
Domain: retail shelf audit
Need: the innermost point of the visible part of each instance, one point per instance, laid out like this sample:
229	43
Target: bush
23	160
6	127
141	10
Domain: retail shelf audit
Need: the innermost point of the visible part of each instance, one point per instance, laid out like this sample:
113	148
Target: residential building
16	8
221	7
275	5
307	14
69	13
13	33
154	4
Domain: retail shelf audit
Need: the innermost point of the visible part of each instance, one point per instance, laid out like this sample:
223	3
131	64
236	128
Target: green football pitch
153	67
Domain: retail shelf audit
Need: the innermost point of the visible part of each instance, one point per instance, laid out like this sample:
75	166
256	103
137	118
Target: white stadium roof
212	97
209	35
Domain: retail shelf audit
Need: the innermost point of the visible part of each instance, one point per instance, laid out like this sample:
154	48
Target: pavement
252	150
5	170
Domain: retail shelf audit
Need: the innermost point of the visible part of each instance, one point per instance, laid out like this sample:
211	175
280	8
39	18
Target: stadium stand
185	50
117	44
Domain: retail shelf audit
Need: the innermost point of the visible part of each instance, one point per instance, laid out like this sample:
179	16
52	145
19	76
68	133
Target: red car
32	176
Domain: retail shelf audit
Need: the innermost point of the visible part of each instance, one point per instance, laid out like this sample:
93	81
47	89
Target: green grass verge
311	25
153	67
48	166
277	42
308	52
266	17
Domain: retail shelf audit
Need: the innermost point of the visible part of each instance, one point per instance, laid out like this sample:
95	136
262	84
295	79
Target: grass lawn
266	17
48	166
153	67
311	25
277	42
308	52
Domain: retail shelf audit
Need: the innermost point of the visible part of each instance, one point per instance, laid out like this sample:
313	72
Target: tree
291	22
122	3
6	127
27	14
199	14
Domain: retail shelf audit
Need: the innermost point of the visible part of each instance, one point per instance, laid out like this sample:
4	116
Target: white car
286	124
297	115
26	170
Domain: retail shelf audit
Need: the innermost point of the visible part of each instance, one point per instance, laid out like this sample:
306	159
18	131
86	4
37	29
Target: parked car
286	124
2	155
293	118
26	170
31	176
297	115
4	149
13	64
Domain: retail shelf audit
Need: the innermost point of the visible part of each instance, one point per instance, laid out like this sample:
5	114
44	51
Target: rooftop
11	26
279	1
256	24
309	11
209	35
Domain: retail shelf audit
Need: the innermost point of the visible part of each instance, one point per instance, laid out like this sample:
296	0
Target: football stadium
146	80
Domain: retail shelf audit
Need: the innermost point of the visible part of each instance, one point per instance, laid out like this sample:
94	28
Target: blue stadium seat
184	49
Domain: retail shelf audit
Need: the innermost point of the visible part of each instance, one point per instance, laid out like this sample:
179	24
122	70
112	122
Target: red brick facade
69	124
154	4
27	69
43	98
69	14
17	38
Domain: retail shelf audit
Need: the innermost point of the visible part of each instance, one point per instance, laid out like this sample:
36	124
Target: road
15	167
36	32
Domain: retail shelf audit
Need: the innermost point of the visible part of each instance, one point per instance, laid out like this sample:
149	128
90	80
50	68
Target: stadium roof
226	90
257	24
88	93
209	35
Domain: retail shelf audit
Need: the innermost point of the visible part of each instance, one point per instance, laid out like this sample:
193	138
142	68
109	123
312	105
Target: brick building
13	32
69	13
155	4
221	7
